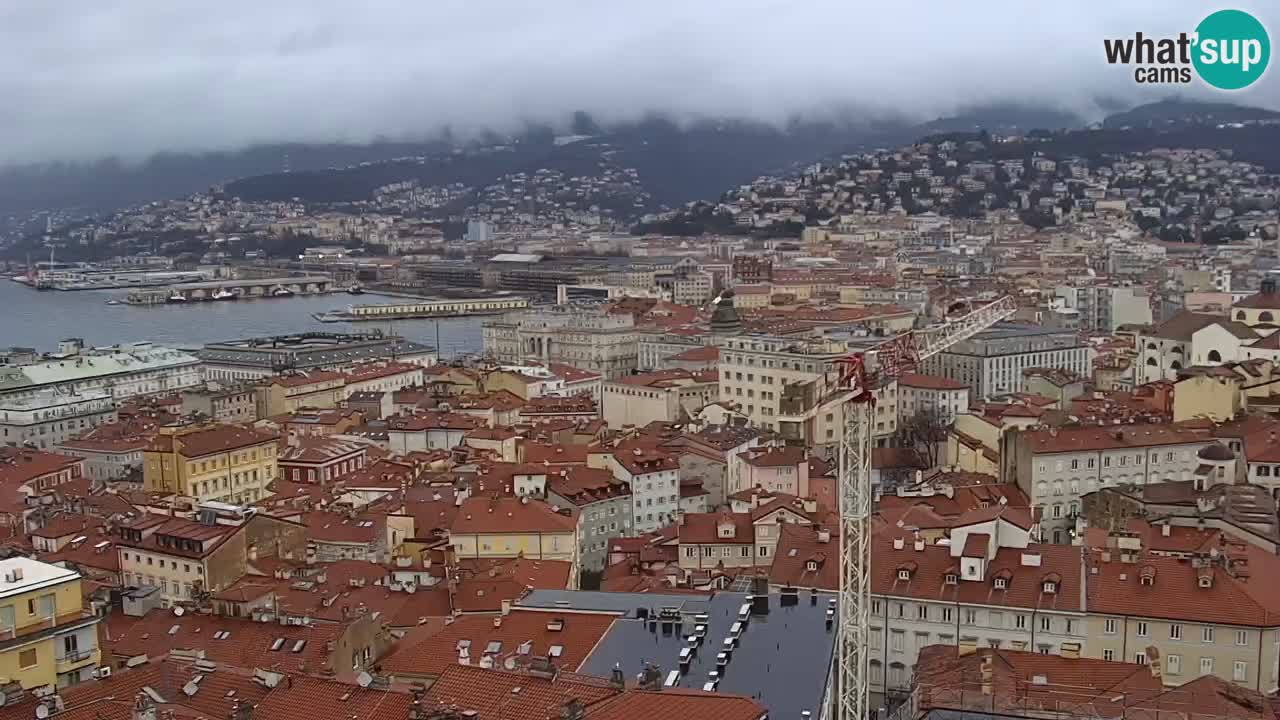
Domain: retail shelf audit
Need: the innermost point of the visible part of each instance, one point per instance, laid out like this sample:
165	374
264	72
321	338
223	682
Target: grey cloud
82	79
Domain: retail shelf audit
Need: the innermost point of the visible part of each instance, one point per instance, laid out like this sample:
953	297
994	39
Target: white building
1103	308
919	393
654	478
51	417
1055	467
123	371
590	339
991	362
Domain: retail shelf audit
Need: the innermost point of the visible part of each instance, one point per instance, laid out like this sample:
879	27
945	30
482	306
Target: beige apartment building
661	396
1055	467
788	385
1214	613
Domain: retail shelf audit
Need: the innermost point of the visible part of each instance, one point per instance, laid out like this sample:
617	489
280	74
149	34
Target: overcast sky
87	78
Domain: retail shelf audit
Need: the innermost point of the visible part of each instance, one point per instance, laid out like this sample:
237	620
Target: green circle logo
1232	49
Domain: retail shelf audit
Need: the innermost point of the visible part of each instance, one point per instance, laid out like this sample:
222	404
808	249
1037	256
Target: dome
1216	451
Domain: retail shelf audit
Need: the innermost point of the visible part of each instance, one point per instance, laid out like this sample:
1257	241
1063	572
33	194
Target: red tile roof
1111	437
678	703
509	515
430	657
210	440
497	695
704	528
309	698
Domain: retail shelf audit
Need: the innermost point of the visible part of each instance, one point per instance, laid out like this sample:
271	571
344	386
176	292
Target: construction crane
860	373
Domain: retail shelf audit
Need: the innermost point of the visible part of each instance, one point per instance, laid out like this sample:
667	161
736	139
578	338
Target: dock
221	290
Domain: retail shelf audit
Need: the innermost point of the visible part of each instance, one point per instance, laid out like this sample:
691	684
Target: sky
85	79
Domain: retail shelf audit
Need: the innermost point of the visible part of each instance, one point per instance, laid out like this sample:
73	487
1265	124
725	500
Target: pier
216	290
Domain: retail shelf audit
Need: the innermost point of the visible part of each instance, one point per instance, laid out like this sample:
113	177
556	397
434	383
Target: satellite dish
509	663
42	711
364	679
178	610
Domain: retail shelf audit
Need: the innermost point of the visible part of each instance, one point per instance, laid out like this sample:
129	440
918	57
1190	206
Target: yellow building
46	637
490	527
1214	393
282	394
226	463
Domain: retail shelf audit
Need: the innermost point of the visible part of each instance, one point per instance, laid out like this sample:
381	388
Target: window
1106	462
902	610
1242	637
946	614
1001	583
1140	658
875	607
1240	671
1109	655
1109	627
970	617
1045	623
1175	632
28	658
1206	634
895	640
922	612
1020	622
1173	664
1142	629
1075	464
1206	666
904	574
1089	463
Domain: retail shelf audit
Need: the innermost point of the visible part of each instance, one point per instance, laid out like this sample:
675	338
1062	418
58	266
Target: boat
281	291
113	302
176	297
224	294
355	290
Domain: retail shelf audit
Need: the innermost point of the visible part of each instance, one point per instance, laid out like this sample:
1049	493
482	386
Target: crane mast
860	372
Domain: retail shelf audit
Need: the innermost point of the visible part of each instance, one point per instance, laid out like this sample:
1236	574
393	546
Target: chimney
987	673
616	679
573	710
143	707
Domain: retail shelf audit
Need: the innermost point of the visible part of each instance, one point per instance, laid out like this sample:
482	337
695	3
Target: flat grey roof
783	658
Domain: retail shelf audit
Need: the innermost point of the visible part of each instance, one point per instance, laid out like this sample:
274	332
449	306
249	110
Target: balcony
70	659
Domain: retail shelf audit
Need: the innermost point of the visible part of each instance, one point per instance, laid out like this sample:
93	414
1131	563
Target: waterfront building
257	358
51	417
123	371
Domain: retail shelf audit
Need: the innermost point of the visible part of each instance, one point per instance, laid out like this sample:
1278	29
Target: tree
924	432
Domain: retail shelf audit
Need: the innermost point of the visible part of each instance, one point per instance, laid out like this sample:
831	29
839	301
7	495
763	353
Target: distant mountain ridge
677	163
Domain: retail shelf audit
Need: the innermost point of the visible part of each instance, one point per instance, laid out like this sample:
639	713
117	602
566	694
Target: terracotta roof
375	370
1183	325
571	374
20	465
248	644
774	457
309	698
800	549
509	515
1259	301
557	454
577	636
641	457
678	703
704	528
583	485
211	440
497	695
434	421
1111	437
305	378
699	354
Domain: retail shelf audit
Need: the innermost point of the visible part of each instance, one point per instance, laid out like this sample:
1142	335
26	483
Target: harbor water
39	319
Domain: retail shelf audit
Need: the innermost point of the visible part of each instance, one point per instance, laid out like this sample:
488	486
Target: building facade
49	418
50	639
224	463
991	362
591	339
